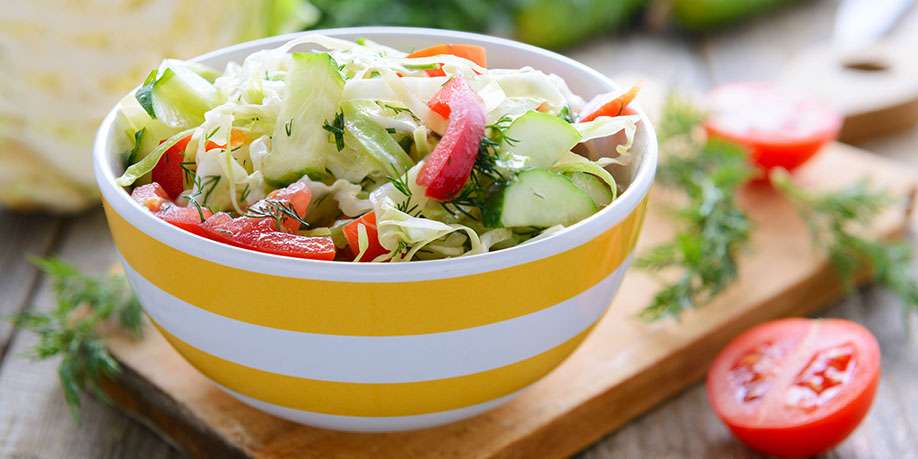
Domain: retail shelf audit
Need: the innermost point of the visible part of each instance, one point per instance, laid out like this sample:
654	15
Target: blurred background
66	62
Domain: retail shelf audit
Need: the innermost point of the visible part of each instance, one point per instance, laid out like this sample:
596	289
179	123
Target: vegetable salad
336	150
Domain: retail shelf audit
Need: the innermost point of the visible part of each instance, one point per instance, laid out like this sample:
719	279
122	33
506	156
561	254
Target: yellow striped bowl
378	347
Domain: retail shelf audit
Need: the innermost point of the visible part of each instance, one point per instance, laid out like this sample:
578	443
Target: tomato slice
284	202
448	166
795	387
474	53
154	197
269	226
779	128
610	104
374	249
168	171
261	235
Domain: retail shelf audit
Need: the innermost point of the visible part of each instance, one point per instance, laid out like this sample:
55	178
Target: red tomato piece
261	235
795	387
474	53
610	104
168	171
374	249
295	197
449	165
154	198
779	128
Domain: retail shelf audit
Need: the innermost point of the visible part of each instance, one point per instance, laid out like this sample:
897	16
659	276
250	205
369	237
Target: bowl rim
200	247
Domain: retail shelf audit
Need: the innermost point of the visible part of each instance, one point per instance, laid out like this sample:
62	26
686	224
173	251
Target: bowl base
370	424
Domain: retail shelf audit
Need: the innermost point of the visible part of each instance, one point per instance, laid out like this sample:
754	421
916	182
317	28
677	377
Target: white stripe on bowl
371	424
377	359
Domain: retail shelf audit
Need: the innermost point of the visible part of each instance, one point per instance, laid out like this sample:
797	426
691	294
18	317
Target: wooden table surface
35	423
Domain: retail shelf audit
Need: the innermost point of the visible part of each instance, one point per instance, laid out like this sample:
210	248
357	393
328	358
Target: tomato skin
449	165
168	171
790	131
374	249
261	235
771	423
615	106
474	53
297	194
154	198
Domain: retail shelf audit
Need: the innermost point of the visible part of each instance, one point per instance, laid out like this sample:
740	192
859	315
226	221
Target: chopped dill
336	127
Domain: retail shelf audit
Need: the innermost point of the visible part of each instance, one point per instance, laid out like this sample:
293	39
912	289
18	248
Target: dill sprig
277	210
400	183
72	329
336	128
713	227
837	220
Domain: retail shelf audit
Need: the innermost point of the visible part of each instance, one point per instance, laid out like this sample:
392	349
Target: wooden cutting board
622	370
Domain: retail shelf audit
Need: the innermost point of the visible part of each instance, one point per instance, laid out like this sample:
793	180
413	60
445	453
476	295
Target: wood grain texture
624	368
34	420
21	236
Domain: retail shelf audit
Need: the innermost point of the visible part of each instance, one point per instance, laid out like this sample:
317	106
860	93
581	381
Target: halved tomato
351	232
778	127
449	165
795	387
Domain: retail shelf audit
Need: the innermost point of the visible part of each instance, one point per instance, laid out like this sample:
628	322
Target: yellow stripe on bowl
375	400
368	308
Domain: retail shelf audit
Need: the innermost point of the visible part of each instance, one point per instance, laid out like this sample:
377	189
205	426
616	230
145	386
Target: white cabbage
65	64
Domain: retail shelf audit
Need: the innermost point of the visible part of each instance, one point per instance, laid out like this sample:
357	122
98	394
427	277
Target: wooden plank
34	420
622	370
21	236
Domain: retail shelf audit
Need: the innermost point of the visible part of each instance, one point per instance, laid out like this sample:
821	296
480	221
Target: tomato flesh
795	387
448	166
474	53
269	226
168	171
780	129
156	200
374	248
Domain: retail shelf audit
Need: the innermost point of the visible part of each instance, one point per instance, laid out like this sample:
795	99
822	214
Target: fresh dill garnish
209	184
245	192
567	114
212	133
135	150
288	127
391	130
337	129
72	329
197	206
188	173
400	183
396	109
278	210
835	220
713	227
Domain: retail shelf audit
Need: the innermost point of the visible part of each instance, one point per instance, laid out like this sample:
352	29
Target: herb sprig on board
836	221
712	226
71	330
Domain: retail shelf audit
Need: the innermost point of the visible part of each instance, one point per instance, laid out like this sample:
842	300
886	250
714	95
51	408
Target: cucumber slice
542	139
177	96
300	145
594	187
368	137
538	198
